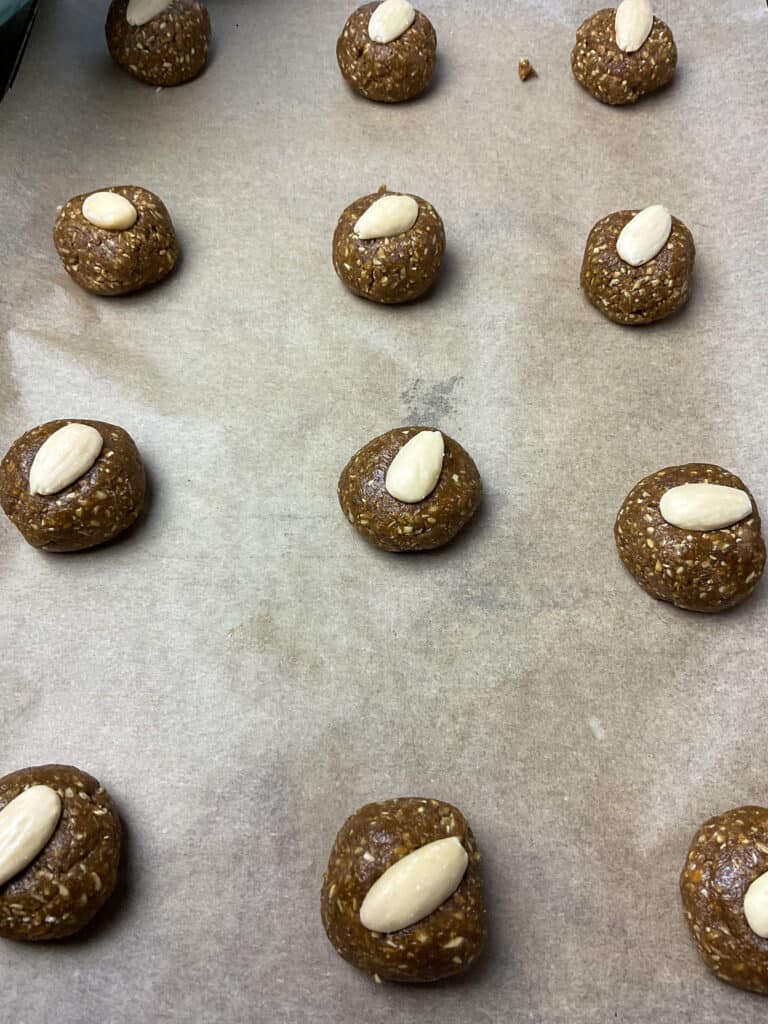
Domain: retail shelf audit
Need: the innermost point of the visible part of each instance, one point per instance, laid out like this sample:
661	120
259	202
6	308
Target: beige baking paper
242	671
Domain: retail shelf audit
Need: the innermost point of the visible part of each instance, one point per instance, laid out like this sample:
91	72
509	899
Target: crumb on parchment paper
525	69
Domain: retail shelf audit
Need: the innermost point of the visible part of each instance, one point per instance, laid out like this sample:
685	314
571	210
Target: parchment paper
242	671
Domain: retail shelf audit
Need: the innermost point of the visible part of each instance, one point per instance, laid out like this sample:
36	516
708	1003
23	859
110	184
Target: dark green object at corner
16	19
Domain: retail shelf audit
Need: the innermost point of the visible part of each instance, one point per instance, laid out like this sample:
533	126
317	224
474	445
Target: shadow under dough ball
389	72
636	295
89	484
702	570
448	938
116	260
69	880
614	76
392	524
720	886
169	48
389	268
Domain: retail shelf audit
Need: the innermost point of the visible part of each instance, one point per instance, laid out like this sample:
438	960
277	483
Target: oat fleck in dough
616	77
93	509
636	295
696	570
110	262
726	855
73	876
394	525
447	941
168	50
391	270
388	72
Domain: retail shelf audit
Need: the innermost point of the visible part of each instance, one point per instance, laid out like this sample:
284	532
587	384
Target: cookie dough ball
402	896
59	851
638	265
159	42
618	62
410	489
691	535
724	889
72	484
387	51
388	247
116	241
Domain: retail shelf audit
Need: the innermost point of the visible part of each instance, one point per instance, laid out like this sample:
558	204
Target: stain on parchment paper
429	404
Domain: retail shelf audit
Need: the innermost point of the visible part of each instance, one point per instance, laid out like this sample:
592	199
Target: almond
415	470
390	20
26	825
414	886
63	458
139	12
645	235
756	906
634	21
109	210
704	507
390	215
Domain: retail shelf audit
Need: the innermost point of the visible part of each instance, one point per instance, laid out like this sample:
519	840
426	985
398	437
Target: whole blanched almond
415	470
63	458
634	21
109	210
26	825
388	216
704	507
139	12
645	235
414	886
756	906
390	20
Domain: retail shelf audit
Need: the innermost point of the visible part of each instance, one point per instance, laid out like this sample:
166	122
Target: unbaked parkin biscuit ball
638	265
387	51
623	54
724	889
160	42
116	241
691	535
402	896
411	489
388	247
60	839
72	484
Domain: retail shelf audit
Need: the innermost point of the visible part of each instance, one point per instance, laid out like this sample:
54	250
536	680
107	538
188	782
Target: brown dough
613	76
389	270
389	72
700	571
74	874
168	50
448	940
110	262
726	855
636	295
101	504
394	525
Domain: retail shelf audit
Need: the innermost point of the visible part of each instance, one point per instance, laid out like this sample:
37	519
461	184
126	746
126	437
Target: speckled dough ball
168	49
614	76
389	72
448	939
636	295
102	496
392	524
116	261
727	856
702	570
389	269
75	872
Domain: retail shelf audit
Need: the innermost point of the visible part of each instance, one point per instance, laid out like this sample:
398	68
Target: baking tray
242	671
